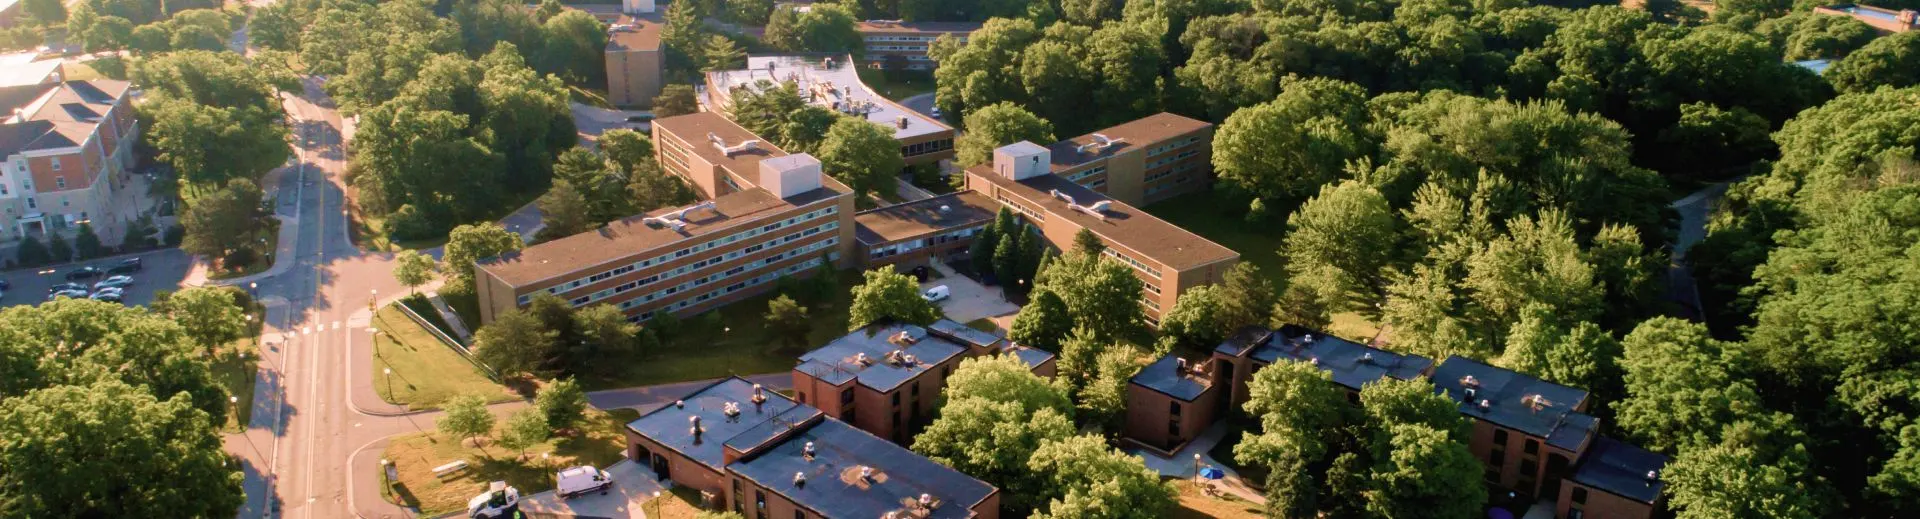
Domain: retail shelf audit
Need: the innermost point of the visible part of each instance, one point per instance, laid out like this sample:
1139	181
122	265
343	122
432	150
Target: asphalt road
163	270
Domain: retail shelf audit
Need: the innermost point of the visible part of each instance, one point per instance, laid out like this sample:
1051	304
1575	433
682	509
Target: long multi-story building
906	43
765	456
895	372
767	214
1887	21
938	228
1139	162
1533	436
1168	260
635	61
831	81
64	151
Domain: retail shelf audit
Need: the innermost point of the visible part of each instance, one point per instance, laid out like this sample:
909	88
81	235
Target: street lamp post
373	296
656	504
389	377
233	408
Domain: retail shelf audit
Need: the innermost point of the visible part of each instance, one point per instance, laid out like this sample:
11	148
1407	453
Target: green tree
1389	403
604	336
1247	296
1289	147
1005	378
1103	296
749	12
1322	236
212	145
862	154
683	32
992	440
275	27
196	37
825	28
625	147
649	188
1102	401
574	45
1196	321
466	417
1043	323
889	295
524	429
788	321
1576	355
1291	489
562	403
564	211
210	315
722	53
1427	474
222	221
997	125
676	99
411	268
980	252
1708	140
1680	394
45	11
1081	476
471	243
148	39
32	252
1886	61
1299	409
52	463
59	247
1807	35
514	343
86	243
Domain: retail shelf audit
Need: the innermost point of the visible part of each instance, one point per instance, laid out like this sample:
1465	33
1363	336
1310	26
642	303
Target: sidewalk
1182	465
452	318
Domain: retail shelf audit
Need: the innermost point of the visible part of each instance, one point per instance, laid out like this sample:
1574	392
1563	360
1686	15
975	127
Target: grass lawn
426	372
80	71
704	348
985	325
234	367
1195	504
1204	214
596	97
898	85
678	503
415	455
265	240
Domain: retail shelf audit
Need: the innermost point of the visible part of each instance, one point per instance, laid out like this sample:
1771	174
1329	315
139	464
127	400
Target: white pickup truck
580	480
498	501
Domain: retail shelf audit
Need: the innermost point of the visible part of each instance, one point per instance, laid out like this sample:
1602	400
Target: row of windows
926	147
904	38
1109	252
1019	207
908	48
603	294
1097	184
1076	176
913	245
1169	160
1169	186
663	258
753	281
1170	146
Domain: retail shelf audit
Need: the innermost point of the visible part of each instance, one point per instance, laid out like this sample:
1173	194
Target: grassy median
426	371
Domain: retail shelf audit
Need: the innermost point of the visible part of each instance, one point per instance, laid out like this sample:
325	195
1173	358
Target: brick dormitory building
65	147
895	372
832	82
1533	436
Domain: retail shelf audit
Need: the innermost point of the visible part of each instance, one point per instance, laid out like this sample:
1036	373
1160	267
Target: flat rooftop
1352	364
1164	376
705	132
634	33
628	237
670	425
965	335
876	344
830	81
1621	469
21	68
834	487
1138	133
897	26
1516	401
923	217
1126	226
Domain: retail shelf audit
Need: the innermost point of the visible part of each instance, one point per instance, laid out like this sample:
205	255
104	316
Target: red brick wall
1149	413
1600	504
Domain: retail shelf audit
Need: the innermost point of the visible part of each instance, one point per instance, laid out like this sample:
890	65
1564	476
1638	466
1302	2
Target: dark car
85	273
4	285
66	286
125	266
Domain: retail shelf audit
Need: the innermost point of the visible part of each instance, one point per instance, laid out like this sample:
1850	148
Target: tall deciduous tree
1892	60
862	154
524	429
1103	400
1289	147
1323	241
1083	477
1680	394
1043	323
1300	410
514	343
822	28
1196	320
112	450
997	125
626	148
562	403
889	295
573	47
222	221
1427	474
411	268
466	418
676	99
470	243
789	321
1103	296
210	315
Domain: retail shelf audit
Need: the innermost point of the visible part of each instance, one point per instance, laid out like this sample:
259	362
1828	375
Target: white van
499	500
936	294
581	480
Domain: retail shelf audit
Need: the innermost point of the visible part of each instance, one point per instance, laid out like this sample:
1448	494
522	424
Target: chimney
901	122
1180	367
759	398
807	451
693	428
866	473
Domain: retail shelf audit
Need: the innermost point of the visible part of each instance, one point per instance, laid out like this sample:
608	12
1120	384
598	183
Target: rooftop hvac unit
1100	142
790	175
1022	160
729	150
800	479
807	451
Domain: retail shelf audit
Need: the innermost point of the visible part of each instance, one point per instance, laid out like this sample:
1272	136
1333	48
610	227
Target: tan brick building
913	233
910	41
1170	402
767	215
1140	162
894	372
64	152
831	81
765	456
1169	260
635	59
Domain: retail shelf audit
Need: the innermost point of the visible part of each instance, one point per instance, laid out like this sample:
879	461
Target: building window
1533	446
56	163
799	515
802	395
1173	408
846	396
1529	467
59	182
1579	496
31	204
1497	458
1499	436
760	500
896	399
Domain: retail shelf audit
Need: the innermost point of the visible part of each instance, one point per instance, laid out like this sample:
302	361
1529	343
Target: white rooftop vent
1022	160
861	359
1096	209
1100	142
790	175
904	337
1485	405
693	427
732	410
1366	357
800	479
676	219
807	450
866	473
1653	475
730	149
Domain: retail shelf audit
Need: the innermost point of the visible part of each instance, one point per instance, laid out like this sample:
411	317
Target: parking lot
161	270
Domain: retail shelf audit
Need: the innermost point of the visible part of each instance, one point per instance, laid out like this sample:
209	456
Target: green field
426	372
737	342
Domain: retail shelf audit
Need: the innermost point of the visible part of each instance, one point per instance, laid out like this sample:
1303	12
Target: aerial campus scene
910	259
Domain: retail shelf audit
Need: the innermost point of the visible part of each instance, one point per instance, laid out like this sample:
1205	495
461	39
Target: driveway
632	487
164	269
970	300
591	121
922	103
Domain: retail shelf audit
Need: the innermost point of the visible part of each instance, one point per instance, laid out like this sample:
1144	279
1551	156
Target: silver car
114	282
76	294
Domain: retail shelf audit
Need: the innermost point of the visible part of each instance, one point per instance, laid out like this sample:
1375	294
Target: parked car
642	122
113	297
110	290
87	272
75	294
580	480
114	282
936	294
67	286
936	113
125	266
4	285
499	500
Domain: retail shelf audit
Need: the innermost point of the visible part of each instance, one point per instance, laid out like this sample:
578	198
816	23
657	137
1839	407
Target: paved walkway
451	317
632	487
1182	465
